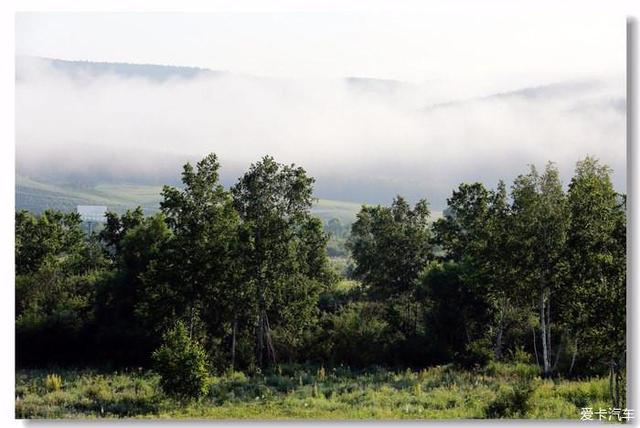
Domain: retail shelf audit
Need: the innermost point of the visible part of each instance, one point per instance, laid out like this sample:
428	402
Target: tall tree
198	270
135	243
283	250
391	247
597	255
57	274
463	234
540	221
497	269
462	231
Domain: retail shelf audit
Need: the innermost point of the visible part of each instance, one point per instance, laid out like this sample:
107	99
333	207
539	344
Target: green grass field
305	392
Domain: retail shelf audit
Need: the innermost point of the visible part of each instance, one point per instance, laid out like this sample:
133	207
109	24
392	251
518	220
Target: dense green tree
197	276
125	329
462	231
539	226
283	251
116	227
465	235
597	255
57	274
391	247
497	268
51	235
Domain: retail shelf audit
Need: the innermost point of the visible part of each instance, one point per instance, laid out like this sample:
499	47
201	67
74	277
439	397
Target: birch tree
597	254
540	221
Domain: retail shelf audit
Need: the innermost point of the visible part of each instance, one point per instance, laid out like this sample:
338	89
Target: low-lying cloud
364	140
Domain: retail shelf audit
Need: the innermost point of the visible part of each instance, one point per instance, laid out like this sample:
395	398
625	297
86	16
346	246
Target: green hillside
37	196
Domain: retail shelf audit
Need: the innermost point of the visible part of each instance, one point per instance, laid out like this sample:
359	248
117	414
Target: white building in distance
92	213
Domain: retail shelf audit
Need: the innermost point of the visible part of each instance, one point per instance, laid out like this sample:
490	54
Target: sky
284	94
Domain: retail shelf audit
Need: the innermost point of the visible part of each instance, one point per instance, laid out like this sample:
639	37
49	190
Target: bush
358	335
52	383
511	402
182	365
519	355
476	354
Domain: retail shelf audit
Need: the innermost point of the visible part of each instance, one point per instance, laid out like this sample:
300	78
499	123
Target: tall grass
299	391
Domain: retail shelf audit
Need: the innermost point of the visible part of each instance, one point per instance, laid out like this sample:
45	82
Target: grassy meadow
309	392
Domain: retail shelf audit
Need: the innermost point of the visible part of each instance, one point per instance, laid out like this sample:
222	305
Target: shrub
181	363
98	390
476	354
359	335
519	355
511	402
52	383
526	371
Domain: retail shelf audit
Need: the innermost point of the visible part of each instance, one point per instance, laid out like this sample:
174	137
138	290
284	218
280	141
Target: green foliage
511	402
52	382
52	236
182	364
357	335
476	353
283	254
597	255
391	246
124	305
519	355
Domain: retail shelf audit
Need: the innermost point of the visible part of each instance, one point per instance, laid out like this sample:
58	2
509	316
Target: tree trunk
271	352
543	328
535	347
259	340
555	363
233	343
191	317
618	379
613	400
573	357
498	348
265	343
548	324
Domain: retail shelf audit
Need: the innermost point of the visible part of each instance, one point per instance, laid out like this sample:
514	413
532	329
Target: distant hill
89	69
560	90
159	73
37	196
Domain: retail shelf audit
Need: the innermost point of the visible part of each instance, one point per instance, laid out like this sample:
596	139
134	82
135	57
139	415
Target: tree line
535	273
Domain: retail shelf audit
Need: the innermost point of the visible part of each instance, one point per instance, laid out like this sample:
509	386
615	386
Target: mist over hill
84	123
